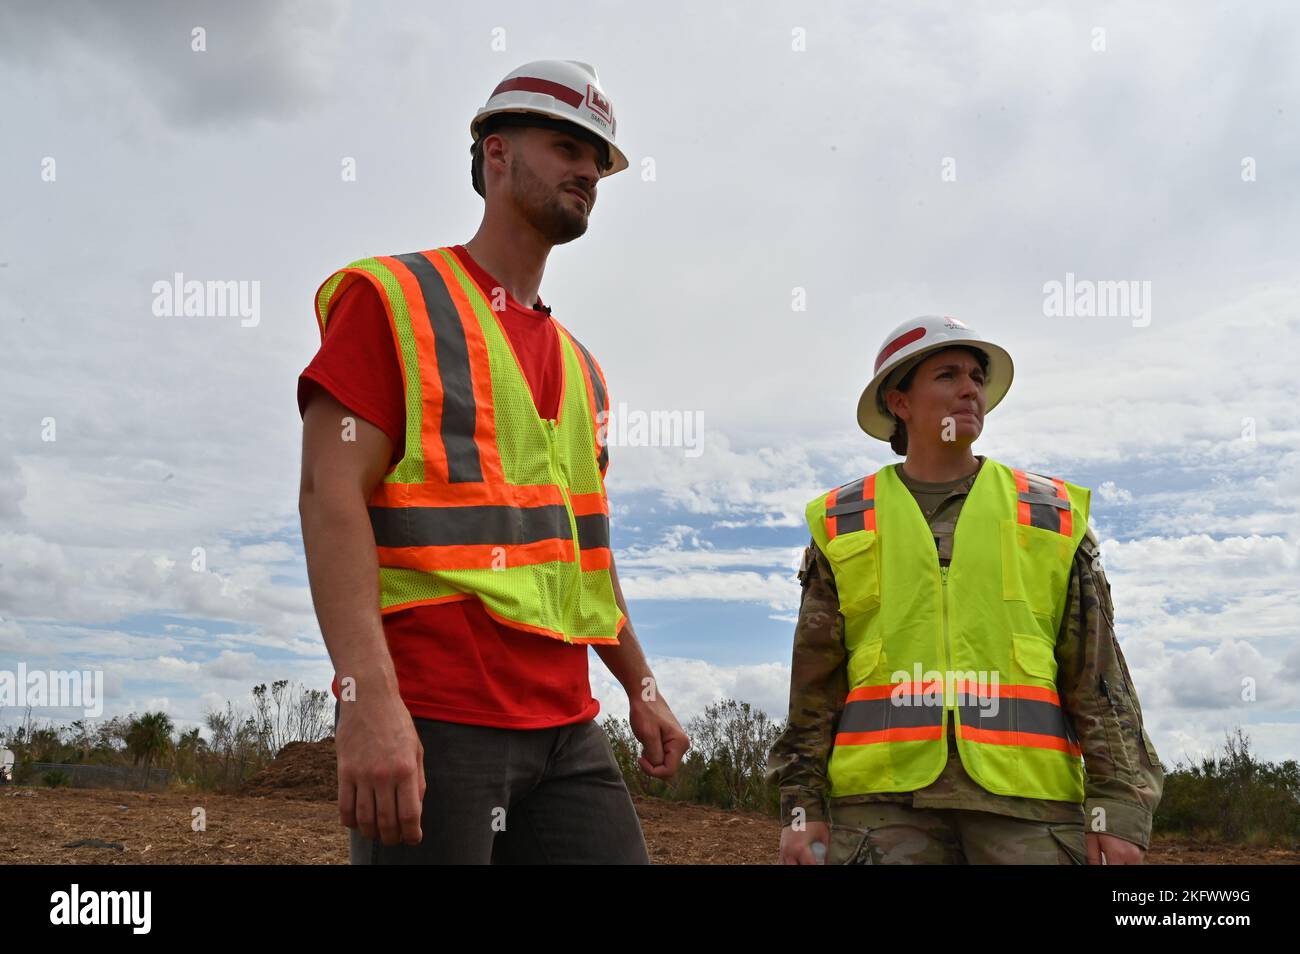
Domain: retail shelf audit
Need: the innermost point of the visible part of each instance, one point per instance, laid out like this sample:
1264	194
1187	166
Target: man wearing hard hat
456	524
957	694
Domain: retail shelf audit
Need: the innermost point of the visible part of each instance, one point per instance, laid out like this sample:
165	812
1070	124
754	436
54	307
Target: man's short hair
515	120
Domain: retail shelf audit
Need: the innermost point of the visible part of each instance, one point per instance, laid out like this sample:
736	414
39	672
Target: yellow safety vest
974	641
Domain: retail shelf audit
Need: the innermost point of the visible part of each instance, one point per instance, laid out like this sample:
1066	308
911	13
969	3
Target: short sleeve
357	364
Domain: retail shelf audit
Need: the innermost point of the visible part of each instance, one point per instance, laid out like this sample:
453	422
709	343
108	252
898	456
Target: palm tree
189	748
149	736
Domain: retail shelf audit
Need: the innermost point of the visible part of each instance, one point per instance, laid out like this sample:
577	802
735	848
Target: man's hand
1117	850
796	846
381	770
654	724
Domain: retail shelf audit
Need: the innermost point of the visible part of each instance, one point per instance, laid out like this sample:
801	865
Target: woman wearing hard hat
957	697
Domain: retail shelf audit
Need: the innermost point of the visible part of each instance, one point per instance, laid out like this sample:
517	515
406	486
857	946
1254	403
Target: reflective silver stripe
1013	715
874	715
1057	502
598	389
856	506
1018	715
593	531
468	526
850	505
459	411
1044	502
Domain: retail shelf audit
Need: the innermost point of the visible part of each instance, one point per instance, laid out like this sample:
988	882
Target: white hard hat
908	344
559	89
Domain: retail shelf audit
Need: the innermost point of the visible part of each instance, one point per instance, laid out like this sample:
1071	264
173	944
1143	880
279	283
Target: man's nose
588	173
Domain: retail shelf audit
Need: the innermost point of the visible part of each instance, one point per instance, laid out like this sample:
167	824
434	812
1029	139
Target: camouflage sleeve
818	685
1124	775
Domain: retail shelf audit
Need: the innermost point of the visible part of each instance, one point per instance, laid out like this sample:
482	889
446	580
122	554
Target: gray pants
516	796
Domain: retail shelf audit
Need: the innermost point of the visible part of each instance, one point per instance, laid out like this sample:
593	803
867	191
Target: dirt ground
155	828
288	815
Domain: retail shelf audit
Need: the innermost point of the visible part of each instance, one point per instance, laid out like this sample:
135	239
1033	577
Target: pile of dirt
306	770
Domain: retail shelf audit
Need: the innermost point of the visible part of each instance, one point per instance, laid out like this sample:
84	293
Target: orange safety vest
490	501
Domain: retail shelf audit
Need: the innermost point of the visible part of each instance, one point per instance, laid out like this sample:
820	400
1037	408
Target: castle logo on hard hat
951	322
602	112
599	103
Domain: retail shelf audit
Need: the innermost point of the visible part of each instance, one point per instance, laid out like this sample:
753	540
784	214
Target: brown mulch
1181	850
155	828
288	815
305	770
681	833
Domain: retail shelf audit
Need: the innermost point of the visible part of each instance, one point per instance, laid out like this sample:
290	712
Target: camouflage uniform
953	817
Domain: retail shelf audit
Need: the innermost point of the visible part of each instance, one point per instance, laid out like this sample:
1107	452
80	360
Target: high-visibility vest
973	642
490	501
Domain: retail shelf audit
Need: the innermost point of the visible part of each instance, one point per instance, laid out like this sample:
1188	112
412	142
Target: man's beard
549	212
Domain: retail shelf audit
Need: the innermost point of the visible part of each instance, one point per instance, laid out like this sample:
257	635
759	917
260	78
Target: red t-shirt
453	661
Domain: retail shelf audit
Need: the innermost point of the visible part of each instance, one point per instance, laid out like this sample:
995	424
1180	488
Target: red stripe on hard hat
902	341
530	84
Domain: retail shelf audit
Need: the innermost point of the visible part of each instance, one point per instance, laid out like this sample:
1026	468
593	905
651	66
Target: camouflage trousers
883	833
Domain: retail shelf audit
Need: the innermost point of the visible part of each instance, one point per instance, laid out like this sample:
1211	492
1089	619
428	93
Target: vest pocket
863	659
1034	655
1035	566
855	558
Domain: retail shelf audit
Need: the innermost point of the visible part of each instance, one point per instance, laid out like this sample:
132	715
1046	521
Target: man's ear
505	136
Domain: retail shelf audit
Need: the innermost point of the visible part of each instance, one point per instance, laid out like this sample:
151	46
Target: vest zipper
947	650
552	428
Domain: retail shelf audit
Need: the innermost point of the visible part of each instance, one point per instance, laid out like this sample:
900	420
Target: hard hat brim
1001	369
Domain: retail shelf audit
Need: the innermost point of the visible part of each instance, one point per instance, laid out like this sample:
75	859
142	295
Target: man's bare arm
626	661
651	719
381	774
338	476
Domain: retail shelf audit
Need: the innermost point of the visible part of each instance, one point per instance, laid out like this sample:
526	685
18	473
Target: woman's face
945	403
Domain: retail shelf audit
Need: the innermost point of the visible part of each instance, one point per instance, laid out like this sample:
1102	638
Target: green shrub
1233	797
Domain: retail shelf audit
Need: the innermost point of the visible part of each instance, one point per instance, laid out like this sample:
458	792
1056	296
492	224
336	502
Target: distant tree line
1228	797
241	742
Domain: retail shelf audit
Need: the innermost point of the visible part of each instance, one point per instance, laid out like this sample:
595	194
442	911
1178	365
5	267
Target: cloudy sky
804	178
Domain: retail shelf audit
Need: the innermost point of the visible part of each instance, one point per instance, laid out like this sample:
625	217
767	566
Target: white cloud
261	61
233	665
175	667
